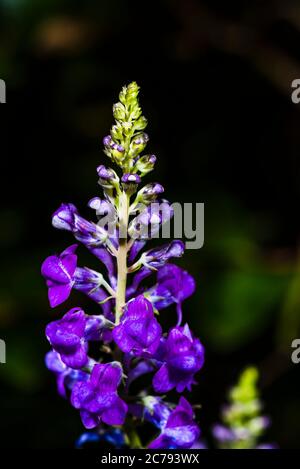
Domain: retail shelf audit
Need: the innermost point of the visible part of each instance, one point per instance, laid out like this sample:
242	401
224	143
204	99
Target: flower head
139	332
97	398
67	338
182	357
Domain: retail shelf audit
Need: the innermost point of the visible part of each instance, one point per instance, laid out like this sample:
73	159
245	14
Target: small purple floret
97	399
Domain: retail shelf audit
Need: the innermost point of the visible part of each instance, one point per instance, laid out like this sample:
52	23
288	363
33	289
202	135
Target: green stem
122	255
134	440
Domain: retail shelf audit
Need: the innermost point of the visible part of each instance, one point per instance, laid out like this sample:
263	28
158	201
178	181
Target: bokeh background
216	87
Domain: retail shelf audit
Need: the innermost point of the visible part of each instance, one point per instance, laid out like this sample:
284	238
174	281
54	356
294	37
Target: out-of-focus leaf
244	301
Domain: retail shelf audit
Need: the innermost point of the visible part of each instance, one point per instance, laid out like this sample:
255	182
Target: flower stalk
126	313
122	255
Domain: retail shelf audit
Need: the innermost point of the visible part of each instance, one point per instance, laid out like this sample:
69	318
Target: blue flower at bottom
114	437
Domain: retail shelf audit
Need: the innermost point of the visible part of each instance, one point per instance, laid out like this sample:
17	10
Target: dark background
215	83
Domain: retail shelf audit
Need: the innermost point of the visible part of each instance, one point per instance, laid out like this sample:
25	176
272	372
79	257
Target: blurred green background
216	84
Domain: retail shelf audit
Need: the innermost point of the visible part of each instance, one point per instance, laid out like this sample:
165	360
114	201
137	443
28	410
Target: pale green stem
122	255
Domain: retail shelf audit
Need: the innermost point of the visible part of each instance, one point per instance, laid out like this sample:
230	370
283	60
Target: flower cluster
97	357
242	422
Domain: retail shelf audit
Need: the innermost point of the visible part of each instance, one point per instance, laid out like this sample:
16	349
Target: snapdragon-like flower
128	341
66	377
67	338
97	398
139	332
174	285
182	357
180	430
59	271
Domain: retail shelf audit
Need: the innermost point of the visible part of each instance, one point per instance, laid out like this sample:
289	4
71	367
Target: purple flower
63	217
67	338
157	257
180	430
108	177
65	376
183	356
139	331
59	274
97	398
66	217
153	260
62	275
174	285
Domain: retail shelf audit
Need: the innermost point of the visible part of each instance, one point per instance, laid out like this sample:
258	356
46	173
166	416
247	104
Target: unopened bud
130	182
150	192
138	144
145	164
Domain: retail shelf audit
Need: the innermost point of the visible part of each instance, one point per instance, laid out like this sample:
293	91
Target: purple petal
57	294
53	269
125	342
162	381
54	363
89	420
116	414
78	359
106	378
183	437
139	308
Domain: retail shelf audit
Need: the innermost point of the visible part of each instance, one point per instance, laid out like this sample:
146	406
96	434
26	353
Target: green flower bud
119	111
116	131
145	164
132	91
141	123
138	144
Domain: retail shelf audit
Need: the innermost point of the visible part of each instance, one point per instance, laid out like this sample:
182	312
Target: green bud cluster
127	139
243	414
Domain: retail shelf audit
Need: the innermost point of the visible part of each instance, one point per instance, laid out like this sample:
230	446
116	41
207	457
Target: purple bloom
180	430
157	257
183	356
107	176
97	399
63	217
59	274
174	285
153	260
66	217
139	331
65	376
67	338
62	275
